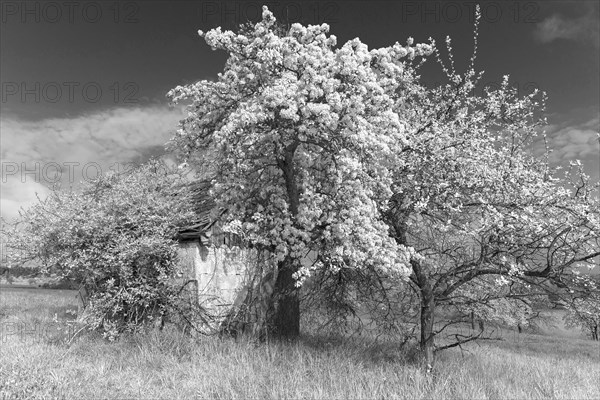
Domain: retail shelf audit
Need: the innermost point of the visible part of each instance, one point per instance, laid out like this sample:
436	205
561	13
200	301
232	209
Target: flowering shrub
116	237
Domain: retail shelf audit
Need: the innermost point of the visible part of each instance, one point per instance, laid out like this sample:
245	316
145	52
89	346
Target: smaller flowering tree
493	226
116	237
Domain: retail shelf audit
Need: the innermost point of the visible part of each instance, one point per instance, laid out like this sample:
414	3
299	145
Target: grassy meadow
40	358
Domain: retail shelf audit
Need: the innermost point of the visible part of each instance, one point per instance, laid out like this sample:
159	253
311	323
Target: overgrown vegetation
117	238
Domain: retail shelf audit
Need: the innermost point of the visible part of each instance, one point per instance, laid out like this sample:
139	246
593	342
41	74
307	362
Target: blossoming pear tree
299	141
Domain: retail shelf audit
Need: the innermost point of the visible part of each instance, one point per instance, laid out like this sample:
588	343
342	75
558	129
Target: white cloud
584	28
574	141
17	193
570	142
37	153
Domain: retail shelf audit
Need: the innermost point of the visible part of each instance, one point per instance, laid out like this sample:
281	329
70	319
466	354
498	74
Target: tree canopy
298	139
343	151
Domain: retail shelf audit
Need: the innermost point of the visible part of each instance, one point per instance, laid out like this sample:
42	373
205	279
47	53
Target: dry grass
170	365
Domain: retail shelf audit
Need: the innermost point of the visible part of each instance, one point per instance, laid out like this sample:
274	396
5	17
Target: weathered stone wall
228	279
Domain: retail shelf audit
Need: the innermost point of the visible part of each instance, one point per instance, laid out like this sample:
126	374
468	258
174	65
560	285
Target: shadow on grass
366	349
548	346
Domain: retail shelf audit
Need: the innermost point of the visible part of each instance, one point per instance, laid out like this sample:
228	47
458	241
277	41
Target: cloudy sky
84	83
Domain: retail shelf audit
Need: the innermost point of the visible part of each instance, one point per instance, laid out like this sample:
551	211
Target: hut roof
206	213
206	228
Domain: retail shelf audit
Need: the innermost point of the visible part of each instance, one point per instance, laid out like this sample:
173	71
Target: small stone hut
229	280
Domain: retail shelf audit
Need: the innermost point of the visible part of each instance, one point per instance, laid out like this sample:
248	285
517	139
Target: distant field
37	362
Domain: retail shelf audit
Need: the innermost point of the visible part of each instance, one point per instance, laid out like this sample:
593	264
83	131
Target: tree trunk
426	342
284	320
285	317
427	336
